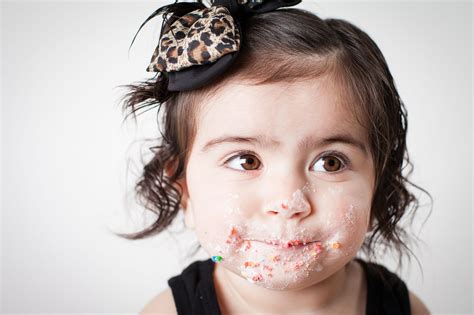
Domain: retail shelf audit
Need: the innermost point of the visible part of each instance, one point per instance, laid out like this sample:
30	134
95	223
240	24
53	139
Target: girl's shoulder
163	303
380	276
190	292
387	290
417	306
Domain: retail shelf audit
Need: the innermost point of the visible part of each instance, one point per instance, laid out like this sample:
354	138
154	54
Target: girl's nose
297	206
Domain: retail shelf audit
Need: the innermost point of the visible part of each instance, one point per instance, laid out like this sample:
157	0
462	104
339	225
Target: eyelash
340	156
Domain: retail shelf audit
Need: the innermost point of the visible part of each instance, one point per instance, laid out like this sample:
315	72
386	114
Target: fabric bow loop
199	37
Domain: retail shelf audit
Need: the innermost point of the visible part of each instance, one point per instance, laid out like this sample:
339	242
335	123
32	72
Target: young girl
284	141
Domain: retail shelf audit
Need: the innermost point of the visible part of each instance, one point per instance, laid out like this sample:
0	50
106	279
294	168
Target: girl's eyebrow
306	143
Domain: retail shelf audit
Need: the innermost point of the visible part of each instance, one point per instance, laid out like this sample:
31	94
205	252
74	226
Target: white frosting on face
284	256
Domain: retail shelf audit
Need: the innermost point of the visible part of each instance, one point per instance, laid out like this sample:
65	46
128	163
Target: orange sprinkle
251	264
336	245
233	236
284	205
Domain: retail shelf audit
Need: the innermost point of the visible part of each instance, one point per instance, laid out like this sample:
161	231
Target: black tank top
194	292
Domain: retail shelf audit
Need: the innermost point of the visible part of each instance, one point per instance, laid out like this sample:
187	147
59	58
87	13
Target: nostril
273	212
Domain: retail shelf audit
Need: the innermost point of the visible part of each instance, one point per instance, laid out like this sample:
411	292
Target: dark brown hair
279	46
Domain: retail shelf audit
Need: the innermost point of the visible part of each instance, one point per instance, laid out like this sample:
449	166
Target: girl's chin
276	278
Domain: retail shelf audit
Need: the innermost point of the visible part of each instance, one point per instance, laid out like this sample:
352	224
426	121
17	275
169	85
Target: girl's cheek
214	222
351	219
349	228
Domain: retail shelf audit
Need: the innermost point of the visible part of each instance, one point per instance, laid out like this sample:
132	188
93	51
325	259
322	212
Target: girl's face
279	182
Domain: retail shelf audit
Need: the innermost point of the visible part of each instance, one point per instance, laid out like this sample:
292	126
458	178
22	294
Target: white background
65	152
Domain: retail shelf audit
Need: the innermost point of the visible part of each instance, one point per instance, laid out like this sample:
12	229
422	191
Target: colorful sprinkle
257	277
298	265
336	245
233	236
318	247
292	243
248	264
233	231
216	258
247	245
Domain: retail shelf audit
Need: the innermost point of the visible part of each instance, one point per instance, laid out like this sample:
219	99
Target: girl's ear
181	186
189	215
186	204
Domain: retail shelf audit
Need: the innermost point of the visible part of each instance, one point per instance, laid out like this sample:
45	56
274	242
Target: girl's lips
290	244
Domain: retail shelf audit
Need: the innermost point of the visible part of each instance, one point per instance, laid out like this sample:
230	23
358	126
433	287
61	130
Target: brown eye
246	161
329	163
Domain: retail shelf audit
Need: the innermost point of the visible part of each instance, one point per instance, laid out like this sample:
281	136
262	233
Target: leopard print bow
200	37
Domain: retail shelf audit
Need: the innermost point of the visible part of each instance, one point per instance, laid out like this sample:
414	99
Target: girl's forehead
278	111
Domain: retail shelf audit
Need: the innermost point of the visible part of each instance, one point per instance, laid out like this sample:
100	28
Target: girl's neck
238	296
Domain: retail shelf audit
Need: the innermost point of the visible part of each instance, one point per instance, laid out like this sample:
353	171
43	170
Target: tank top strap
193	290
387	294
